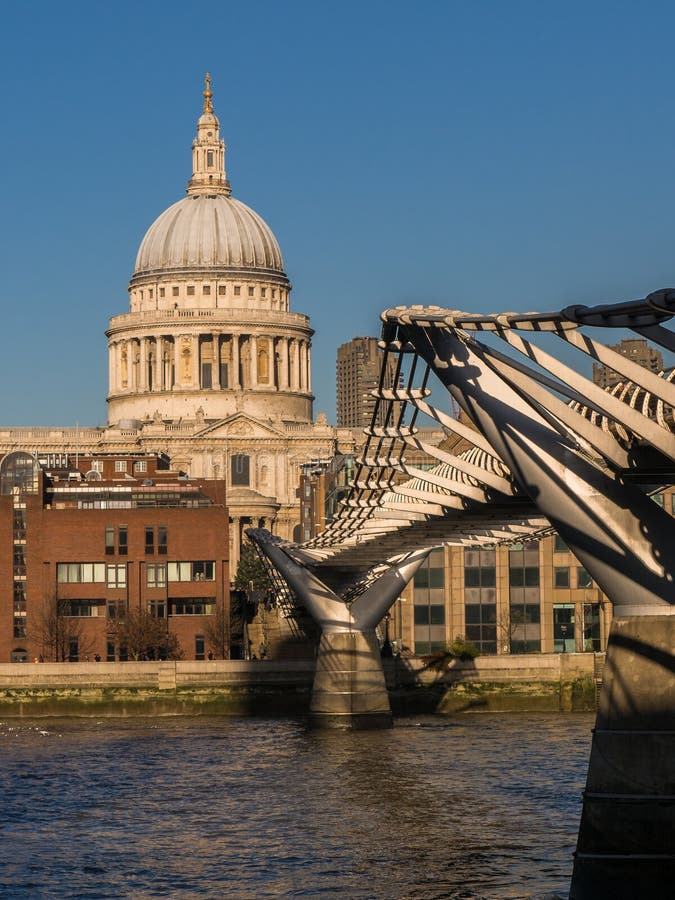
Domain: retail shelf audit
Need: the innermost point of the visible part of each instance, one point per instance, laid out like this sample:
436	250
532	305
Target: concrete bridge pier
349	688
626	843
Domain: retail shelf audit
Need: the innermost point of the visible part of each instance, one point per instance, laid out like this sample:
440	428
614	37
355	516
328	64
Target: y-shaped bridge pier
546	449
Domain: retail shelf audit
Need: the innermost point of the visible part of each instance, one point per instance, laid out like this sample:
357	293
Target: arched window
263	366
240	470
19	473
19	655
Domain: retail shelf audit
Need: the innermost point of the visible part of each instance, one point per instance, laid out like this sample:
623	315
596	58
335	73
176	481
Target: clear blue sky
480	155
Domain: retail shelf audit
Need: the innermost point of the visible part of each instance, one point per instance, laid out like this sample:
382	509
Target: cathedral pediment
240	425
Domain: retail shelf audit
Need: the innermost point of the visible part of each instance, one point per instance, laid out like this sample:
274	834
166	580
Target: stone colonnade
215	360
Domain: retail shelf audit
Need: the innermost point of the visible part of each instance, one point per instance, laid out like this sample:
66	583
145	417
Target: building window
174	291
79	609
190	290
162	533
149	539
191	571
141	465
19	559
263	292
110	651
97	465
559	546
192	606
73	650
206	289
564	640
116	610
480	599
525	576
155	575
209	157
240	470
19	630
150	293
19	524
19	655
591	627
524	598
162	293
207	383
480	576
109	541
222	290
116	575
80	573
120	465
561	577
122	540
237	290
200	647
429	604
274	293
250	292
157	608
584	580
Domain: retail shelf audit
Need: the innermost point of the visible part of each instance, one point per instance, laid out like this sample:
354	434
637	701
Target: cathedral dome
214	231
209	229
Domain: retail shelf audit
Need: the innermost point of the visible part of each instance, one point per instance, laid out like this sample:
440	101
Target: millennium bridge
546	449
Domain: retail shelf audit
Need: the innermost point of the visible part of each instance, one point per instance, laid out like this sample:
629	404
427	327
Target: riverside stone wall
283	687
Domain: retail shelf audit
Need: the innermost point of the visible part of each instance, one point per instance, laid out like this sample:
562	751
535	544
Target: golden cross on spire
208	93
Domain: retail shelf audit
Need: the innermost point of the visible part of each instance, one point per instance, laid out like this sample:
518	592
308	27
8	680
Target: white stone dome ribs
203	232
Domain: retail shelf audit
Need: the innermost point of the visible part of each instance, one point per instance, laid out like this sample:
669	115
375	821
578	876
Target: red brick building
89	542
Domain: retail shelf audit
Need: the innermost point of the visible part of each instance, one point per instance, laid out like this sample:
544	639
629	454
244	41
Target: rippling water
478	806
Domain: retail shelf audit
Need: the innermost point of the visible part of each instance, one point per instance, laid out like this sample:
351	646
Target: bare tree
55	631
217	631
146	636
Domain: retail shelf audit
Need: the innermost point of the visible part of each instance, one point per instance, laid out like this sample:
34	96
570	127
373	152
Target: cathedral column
111	368
295	365
283	364
123	364
302	375
309	368
235	362
143	364
135	359
196	367
176	362
158	380
215	362
253	348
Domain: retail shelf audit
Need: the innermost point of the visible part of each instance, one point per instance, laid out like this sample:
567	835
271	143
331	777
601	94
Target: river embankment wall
565	682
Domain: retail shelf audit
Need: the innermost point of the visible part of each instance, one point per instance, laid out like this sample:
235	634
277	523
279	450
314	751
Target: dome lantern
208	153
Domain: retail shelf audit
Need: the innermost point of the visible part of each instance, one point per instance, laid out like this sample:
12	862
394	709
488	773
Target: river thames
475	806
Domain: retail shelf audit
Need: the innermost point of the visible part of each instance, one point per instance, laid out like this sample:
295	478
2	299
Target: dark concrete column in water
626	845
349	686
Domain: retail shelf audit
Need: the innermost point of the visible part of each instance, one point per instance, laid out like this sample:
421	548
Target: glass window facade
429	604
480	599
19	474
524	598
